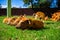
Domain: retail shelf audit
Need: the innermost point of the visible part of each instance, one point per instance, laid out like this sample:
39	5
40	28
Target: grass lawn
50	32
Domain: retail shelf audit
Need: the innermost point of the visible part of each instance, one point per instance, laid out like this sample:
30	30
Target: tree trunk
8	8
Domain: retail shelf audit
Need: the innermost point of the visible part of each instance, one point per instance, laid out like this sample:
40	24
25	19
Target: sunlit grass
50	32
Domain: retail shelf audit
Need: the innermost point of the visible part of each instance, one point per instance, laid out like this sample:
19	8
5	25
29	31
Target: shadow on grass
44	28
49	23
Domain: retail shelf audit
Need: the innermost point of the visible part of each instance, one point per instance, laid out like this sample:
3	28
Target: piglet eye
27	21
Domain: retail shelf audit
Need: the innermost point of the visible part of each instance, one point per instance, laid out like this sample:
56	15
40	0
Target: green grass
50	32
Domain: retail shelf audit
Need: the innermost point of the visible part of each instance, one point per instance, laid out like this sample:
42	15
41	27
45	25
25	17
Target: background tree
37	3
28	2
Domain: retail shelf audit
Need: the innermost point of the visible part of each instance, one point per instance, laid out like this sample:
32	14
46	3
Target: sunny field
50	32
